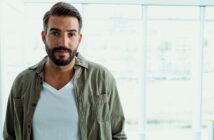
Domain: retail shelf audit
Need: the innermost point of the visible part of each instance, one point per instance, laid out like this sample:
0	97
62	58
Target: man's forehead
63	23
63	19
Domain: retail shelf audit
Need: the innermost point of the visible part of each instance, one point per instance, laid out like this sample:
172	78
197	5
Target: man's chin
61	62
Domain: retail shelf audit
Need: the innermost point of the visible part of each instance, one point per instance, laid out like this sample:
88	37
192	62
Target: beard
60	61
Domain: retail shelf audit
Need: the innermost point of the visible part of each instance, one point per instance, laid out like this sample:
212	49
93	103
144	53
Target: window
162	41
113	39
208	72
172	36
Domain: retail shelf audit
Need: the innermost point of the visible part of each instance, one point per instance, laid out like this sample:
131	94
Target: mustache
61	48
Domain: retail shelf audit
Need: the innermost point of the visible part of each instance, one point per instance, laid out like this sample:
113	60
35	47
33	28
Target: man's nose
63	41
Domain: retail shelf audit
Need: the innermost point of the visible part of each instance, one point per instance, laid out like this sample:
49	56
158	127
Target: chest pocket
102	105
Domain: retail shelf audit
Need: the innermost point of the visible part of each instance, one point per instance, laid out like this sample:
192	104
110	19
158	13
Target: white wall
12	27
1	120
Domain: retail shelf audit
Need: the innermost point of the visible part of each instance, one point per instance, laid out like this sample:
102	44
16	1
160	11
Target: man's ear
80	37
43	35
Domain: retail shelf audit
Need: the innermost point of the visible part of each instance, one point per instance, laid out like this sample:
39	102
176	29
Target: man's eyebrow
72	30
54	29
58	30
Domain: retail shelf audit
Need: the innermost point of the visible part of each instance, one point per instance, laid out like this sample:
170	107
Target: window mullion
143	76
198	81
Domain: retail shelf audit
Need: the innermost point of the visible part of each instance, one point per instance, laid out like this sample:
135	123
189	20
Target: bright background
161	53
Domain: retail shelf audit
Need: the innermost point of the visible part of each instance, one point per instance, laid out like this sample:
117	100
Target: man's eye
55	33
72	34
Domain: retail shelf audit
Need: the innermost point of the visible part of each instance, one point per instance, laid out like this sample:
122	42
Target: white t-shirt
56	116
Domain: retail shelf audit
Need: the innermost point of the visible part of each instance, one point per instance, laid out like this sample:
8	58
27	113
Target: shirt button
29	126
33	104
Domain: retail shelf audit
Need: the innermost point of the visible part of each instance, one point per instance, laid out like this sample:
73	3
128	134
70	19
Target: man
64	97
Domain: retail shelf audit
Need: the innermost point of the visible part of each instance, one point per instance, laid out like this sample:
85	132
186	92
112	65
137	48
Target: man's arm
117	116
8	132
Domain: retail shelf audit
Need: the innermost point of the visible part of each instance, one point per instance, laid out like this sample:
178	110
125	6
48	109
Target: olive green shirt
100	113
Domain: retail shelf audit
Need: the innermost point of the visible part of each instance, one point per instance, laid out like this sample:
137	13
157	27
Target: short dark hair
62	9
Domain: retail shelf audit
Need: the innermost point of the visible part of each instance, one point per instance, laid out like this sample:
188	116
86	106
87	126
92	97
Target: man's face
62	39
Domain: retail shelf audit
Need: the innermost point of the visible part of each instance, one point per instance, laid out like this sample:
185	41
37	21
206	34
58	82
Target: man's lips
61	52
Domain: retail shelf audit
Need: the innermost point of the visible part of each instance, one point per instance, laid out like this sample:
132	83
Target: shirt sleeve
13	120
117	115
8	131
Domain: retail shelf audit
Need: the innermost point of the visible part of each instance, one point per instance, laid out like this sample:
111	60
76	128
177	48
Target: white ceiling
143	2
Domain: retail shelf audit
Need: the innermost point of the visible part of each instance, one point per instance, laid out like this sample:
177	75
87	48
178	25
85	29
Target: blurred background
161	53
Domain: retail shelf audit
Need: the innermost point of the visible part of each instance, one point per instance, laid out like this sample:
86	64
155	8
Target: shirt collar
39	67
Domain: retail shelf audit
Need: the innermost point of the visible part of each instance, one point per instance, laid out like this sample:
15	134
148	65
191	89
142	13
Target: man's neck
58	76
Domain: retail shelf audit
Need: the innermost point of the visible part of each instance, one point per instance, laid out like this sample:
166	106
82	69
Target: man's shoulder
96	66
24	75
100	70
30	72
90	65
